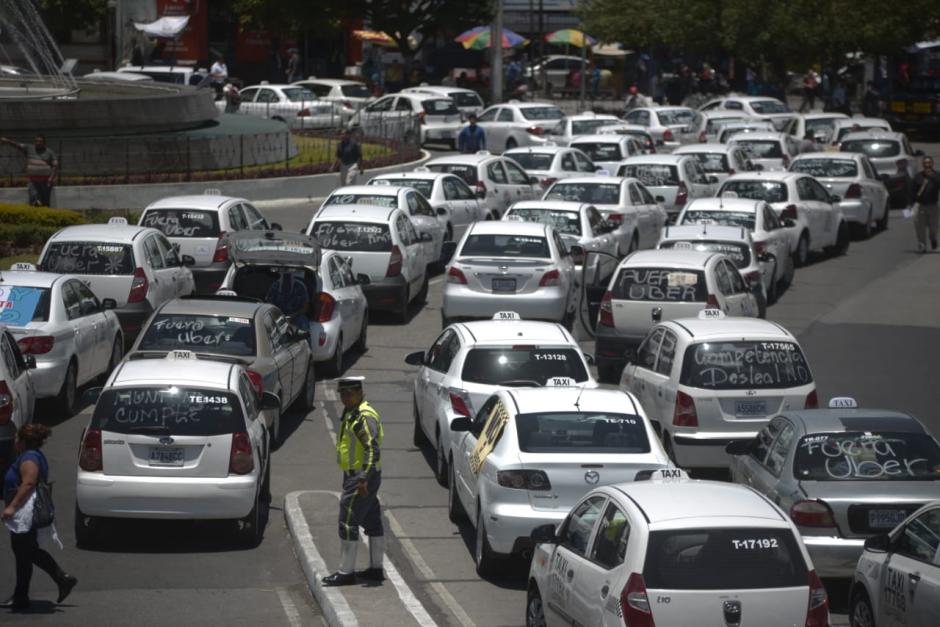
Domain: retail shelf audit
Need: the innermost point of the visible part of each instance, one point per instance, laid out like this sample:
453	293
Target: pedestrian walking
871	101
810	83
19	495
471	138
348	158
358	452
41	167
294	71
926	189
808	144
218	74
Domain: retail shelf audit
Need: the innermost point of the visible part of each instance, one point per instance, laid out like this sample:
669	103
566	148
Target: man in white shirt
218	73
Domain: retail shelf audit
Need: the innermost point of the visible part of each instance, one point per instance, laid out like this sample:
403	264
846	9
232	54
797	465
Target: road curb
336	610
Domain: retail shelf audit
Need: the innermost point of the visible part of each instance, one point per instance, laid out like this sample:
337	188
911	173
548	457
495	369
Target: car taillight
634	604
732	172
808	513
668	136
241	461
394	262
303	113
327	303
817	614
684	414
606	312
221	249
422	117
535	130
616	218
712	302
481	186
760	248
36	344
812	401
550	278
753	277
456	275
90	459
548	181
854	191
6	404
702	137
902	165
257	382
139	287
459	401
523	479
789	213
682	195
347	103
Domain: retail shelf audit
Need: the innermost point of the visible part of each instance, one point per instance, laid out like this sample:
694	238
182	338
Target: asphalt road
867	322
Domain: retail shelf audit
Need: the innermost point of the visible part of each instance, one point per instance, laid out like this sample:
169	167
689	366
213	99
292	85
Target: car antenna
578	399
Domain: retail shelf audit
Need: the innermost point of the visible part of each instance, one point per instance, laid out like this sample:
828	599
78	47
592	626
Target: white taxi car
587	123
410	117
518	266
178	439
515	123
342	322
674	553
671	125
57	319
382	243
298	108
897	580
529	454
499	181
350	95
893	157
135	266
672	179
467	100
761	107
819	124
17	394
470	360
719	160
770	151
709	381
549	163
606	151
197	225
654	285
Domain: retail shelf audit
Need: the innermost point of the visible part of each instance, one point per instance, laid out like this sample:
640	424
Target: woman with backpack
23	477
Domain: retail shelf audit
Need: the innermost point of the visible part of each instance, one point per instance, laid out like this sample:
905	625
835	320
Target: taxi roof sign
662	475
560	382
842	402
506	315
118	220
683	246
23	266
181	355
710	313
602	172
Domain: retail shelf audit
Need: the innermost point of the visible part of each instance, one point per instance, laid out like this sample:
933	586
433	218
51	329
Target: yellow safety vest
350	453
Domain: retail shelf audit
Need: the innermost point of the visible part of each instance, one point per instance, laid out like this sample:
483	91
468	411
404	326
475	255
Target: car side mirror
544	534
878	544
270	401
441	211
533	180
301	335
188	261
275	226
481	193
589	358
739	447
448	250
109	303
30	362
415	359
425	237
363	279
91	395
461	424
834	198
711	178
660	199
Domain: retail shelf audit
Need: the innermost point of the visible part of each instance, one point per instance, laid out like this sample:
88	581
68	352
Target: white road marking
330	396
408	598
290	609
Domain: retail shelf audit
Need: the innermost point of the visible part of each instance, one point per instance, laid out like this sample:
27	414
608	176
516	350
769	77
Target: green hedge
41	216
26	235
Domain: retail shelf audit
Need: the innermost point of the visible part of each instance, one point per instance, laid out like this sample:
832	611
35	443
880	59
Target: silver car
549	163
518	124
672	125
342	320
767	150
719	160
672	179
843	474
893	158
606	151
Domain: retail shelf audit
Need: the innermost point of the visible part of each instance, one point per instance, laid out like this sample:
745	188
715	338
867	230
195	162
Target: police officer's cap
350	383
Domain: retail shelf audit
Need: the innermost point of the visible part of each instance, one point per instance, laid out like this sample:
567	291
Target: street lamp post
496	44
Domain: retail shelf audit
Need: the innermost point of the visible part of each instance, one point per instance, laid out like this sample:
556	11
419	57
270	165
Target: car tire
401	314
511	143
608	374
634	243
487	562
306	401
841	247
534	610
117	354
418	438
275	434
861	613
774	292
86	529
801	255
440	463
333	367
250	529
883	222
422	296
865	231
455	510
362	343
667	446
66	401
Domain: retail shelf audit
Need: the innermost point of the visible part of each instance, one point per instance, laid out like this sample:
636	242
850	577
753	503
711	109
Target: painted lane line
408	598
290	609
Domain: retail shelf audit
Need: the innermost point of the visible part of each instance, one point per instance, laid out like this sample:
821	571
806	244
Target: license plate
885	518
166	456
750	408
504	285
922	107
897	107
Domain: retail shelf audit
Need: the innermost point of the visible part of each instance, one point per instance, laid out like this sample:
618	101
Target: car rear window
467	172
651	174
768	191
505	246
88	258
660	284
424	186
724	559
581	432
298	94
21	304
532	160
182	222
378	200
872	148
854	128
740	254
496	366
745	365
227	335
542	113
768	106
713	161
465	99
353	236
168	410
675	117
565	222
831	168
356	91
598	151
594	193
440	106
867	456
724	218
586	127
713	124
761	149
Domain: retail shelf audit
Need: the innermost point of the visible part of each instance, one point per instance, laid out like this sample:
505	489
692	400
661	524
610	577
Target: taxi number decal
755	544
778	346
491	432
211	400
550	357
894	593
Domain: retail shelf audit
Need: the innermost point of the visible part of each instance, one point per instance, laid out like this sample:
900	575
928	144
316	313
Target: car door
741	296
765	463
424	221
504	125
164	287
658	215
266	103
498	183
644	218
415	254
281	353
592	596
344	305
236	218
828	214
299	351
436	380
181	277
731	302
19	384
811	210
460	210
519	180
910	578
778	242
604	242
700	186
583	164
352	292
467	456
253	217
747	468
873	188
640	376
83	337
372	117
93	314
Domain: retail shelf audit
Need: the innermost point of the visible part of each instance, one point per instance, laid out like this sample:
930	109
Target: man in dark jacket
871	103
471	138
925	190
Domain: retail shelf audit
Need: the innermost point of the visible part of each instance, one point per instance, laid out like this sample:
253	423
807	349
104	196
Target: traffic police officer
359	457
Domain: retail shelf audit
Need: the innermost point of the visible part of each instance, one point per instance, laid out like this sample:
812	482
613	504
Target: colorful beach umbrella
478	38
375	37
569	36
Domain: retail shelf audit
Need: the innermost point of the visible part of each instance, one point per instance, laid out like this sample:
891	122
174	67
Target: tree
63	16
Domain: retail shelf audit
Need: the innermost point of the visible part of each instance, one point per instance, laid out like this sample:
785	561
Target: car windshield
440	106
870	455
353	236
424	186
495	366
21	304
168	410
465	99
652	174
356	91
660	284
600	151
581	432
714	124
380	200
761	149
726	558
768	191
713	162
565	222
532	160
542	113
497	245
88	258
467	172
226	335
873	148
854	128
768	106
586	127
675	117
298	94
740	254
744	365
182	222
827	168
723	218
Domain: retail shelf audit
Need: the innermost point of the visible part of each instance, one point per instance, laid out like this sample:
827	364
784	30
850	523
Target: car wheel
418	438
449	236
423	294
455	509
401	314
305	401
511	143
117	354
802	251
334	366
65	401
667	446
841	246
276	427
634	243
86	529
250	529
486	561
866	230
440	470
883	222
534	611
860	611
362	344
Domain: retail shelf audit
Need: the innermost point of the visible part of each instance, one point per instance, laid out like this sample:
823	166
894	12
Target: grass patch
6	262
